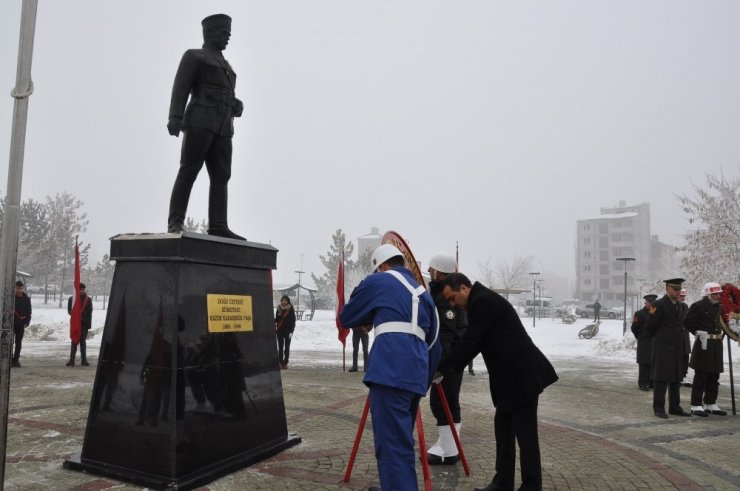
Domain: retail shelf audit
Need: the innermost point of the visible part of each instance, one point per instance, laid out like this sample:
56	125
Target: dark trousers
518	425
643	375
283	339
451	386
597	316
393	414
674	395
17	340
199	146
358	338
705	384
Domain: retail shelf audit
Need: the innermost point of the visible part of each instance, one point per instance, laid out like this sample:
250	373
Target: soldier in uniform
207	124
703	320
664	326
644	343
452	325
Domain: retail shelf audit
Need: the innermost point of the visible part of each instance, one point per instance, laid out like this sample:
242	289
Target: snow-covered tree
711	251
326	284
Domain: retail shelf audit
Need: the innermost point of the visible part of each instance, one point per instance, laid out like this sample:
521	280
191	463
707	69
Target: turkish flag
343	332
75	321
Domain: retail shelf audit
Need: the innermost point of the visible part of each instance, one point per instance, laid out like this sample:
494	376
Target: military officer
703	320
207	124
644	343
664	326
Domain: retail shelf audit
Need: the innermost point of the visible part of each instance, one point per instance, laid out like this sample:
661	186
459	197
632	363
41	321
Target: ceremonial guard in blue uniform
403	359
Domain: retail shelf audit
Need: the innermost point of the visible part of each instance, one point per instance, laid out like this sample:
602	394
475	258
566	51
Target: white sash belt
404	327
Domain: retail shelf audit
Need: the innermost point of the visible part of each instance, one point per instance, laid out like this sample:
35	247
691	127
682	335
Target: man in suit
664	325
518	371
644	343
207	125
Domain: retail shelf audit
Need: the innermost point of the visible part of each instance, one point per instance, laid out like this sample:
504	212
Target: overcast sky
492	124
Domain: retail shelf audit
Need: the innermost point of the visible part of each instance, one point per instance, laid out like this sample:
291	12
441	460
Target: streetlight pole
539	291
624	312
534	298
298	294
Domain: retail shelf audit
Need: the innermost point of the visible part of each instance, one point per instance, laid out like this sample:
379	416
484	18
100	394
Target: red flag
343	333
75	321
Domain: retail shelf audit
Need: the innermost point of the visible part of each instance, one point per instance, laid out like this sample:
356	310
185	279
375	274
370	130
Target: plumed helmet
444	263
382	254
710	288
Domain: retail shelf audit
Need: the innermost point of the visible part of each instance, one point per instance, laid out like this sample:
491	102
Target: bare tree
487	272
514	274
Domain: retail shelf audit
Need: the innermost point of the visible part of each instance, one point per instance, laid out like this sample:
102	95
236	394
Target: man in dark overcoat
703	321
644	343
664	326
518	372
207	124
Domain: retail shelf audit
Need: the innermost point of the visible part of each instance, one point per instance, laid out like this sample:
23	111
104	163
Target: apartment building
621	231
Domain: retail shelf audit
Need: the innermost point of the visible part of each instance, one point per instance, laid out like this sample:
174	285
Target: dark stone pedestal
188	385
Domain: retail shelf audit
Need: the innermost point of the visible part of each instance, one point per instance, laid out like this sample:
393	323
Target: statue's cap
216	20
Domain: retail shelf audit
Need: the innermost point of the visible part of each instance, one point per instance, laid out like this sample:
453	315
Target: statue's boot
218	198
178	205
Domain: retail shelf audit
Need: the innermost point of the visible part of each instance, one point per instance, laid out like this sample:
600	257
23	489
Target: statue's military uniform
208	126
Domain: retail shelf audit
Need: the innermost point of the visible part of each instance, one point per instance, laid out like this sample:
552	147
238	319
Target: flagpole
11	218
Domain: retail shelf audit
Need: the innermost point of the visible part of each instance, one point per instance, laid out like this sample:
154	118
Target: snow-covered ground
50	327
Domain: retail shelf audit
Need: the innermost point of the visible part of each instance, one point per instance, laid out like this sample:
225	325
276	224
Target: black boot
178	204
354	362
218	197
72	354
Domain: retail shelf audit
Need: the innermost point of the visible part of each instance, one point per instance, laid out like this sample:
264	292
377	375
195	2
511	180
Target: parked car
604	313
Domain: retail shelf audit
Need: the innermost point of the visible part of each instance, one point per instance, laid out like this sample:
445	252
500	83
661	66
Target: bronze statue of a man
207	124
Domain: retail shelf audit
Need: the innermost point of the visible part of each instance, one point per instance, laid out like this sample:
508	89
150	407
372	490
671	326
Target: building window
586	226
603	269
587	254
604	283
604	228
587	282
603	242
603	255
587	267
586	240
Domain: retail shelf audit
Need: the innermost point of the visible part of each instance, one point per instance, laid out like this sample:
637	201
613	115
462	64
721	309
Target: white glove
290	336
437	378
703	336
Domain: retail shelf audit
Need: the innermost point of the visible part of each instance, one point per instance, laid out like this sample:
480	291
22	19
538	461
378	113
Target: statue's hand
238	108
174	126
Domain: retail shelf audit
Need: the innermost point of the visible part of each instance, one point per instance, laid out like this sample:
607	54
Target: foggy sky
496	125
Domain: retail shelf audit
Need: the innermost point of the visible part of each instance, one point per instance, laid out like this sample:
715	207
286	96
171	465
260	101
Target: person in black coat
704	321
21	320
86	323
644	343
284	327
597	311
664	325
518	371
453	323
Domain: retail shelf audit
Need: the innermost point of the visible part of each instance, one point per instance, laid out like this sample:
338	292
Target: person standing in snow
85	324
21	320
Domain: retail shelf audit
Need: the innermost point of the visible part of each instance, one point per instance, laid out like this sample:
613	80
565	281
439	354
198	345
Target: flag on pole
342	334
75	320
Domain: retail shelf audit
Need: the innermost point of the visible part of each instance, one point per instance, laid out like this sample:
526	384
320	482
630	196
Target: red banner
75	320
342	332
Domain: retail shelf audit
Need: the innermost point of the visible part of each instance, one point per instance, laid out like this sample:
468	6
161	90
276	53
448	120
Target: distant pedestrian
664	326
284	327
518	372
86	309
597	311
704	321
359	336
21	320
471	371
403	359
644	343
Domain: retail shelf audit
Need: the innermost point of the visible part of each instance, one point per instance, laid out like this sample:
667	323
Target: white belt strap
403	327
413	326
